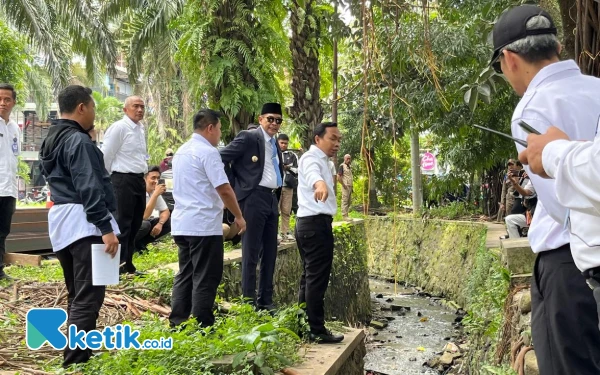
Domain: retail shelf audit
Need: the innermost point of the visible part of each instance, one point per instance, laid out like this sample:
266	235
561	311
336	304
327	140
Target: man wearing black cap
257	169
564	320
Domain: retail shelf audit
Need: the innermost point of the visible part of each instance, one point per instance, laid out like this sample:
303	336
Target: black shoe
326	337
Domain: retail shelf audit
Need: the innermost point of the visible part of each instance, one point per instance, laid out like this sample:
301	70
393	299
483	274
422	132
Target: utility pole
417	188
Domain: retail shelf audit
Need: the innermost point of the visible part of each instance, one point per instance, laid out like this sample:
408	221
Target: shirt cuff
553	153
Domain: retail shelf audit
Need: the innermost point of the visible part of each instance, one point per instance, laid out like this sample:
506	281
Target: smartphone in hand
161	181
528	128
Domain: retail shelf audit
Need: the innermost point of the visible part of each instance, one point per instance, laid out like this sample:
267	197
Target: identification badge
15	146
147	157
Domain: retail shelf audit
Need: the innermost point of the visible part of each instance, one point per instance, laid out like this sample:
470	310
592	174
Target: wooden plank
23	259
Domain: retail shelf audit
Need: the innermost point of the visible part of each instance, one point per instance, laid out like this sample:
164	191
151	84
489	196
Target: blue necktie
276	162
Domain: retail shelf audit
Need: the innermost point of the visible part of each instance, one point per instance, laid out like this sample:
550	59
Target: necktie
276	162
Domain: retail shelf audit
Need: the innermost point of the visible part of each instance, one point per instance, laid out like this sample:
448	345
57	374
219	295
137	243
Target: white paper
105	270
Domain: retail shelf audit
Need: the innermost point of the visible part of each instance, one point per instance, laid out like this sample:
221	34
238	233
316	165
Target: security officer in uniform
564	322
345	178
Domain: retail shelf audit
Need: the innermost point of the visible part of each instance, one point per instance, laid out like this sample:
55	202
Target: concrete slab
327	359
517	255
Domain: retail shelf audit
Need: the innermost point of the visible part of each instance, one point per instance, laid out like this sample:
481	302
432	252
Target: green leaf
267	371
264	327
486	74
239	359
250	338
259	360
473	99
284	361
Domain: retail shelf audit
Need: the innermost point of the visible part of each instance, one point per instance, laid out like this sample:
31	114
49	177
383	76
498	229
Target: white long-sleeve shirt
10	147
575	166
314	167
560	95
124	147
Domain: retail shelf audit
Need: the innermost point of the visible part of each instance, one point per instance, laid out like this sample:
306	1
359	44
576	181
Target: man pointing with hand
314	235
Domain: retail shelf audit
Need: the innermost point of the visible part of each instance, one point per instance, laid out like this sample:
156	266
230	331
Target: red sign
428	161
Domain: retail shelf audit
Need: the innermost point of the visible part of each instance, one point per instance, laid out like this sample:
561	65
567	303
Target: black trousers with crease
564	321
8	206
196	283
130	191
84	299
314	237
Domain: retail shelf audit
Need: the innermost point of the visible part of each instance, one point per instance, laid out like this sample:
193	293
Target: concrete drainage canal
411	332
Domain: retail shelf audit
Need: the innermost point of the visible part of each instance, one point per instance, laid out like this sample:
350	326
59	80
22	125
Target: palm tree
61	29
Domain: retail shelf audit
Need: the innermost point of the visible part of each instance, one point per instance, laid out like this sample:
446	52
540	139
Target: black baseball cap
512	26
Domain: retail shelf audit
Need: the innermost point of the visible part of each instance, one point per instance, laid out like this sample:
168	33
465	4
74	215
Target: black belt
266	190
131	174
319	216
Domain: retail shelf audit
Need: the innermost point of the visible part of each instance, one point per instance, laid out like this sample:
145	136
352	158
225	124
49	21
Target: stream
418	328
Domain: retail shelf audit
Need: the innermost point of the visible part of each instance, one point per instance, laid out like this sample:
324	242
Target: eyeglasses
496	63
278	120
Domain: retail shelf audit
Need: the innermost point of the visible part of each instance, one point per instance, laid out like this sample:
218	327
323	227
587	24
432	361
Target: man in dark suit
257	172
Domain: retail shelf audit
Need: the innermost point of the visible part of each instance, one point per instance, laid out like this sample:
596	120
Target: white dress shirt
67	223
269	179
559	95
314	166
197	172
9	140
124	147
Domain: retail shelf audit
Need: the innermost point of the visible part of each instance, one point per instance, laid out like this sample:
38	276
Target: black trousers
314	237
143	237
130	191
199	276
261	212
8	206
85	300
564	325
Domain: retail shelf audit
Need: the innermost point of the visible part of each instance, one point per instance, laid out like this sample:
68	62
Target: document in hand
105	269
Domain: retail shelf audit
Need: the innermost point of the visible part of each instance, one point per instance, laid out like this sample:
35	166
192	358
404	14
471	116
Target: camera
517	173
161	181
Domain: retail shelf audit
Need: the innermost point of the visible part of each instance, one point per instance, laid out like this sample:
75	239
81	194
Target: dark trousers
130	191
196	283
143	237
260	210
314	237
7	209
564	325
85	300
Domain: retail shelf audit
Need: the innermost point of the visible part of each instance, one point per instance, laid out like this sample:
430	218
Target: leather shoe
326	337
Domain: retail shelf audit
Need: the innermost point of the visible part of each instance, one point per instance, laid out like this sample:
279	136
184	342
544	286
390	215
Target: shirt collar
265	135
130	122
318	152
551	70
200	138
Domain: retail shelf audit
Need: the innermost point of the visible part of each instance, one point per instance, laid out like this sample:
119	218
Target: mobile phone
161	181
527	128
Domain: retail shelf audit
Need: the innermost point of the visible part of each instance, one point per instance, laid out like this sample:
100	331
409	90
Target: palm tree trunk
306	78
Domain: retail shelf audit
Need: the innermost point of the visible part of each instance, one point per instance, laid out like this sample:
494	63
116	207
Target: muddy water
412	337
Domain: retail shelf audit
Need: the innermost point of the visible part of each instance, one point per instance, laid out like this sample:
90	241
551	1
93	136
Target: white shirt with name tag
124	147
560	95
314	166
10	147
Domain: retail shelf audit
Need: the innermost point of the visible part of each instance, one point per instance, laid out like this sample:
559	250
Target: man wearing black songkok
257	172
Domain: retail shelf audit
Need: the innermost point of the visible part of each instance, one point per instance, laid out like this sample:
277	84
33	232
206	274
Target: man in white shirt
84	203
10	146
156	223
574	165
200	189
125	158
314	235
257	170
517	217
564	324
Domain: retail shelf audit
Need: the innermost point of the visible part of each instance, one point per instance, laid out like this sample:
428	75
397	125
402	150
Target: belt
592	277
267	190
130	173
319	216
